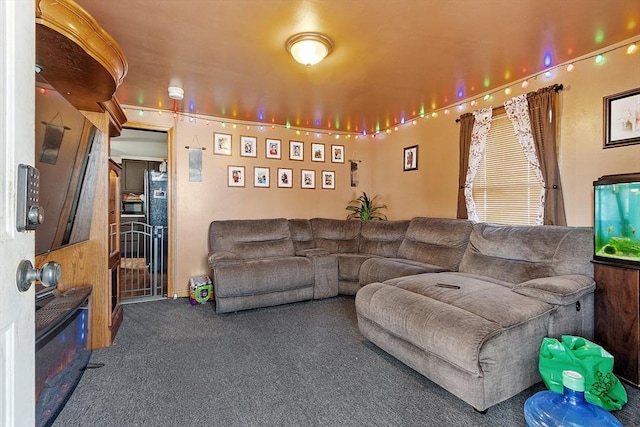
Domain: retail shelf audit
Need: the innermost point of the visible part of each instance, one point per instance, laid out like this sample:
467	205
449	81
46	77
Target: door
17	309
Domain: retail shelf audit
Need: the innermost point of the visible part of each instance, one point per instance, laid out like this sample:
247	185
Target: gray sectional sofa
467	305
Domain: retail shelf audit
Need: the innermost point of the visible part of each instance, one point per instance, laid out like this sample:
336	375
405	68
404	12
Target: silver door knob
48	275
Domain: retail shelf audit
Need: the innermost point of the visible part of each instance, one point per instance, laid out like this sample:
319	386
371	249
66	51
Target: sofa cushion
336	235
381	269
349	266
560	290
453	321
301	234
252	238
263	276
436	241
382	238
519	253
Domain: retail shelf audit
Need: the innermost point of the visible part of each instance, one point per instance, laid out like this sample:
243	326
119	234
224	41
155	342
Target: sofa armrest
558	290
222	258
313	252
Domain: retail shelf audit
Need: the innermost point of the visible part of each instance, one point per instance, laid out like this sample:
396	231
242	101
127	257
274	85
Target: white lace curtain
479	134
518	112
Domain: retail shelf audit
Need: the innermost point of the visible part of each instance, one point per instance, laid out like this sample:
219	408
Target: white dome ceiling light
309	48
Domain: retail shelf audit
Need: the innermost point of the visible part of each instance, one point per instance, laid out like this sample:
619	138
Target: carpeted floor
301	364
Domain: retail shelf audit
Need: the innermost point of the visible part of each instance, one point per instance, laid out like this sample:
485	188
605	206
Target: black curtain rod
556	87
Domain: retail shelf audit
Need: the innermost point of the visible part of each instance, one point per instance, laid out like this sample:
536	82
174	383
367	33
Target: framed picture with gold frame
307	178
248	146
273	147
260	177
328	180
235	176
222	144
285	178
317	152
296	150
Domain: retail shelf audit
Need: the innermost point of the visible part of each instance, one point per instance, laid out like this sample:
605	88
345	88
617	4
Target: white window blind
505	189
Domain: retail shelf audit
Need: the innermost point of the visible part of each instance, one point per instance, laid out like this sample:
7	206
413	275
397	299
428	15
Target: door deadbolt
48	275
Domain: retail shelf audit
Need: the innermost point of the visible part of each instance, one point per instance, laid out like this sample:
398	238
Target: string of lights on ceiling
598	57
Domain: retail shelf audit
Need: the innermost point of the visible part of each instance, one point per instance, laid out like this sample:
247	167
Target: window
505	189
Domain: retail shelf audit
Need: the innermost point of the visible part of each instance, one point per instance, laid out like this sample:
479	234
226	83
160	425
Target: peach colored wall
196	204
432	189
429	191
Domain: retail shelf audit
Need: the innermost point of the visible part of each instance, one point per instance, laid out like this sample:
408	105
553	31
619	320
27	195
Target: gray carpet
301	364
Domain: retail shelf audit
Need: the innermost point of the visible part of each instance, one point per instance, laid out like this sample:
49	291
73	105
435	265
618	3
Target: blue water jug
569	409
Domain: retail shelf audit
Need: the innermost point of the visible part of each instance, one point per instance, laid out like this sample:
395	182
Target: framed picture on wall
222	144
296	150
285	178
273	148
260	177
410	159
235	176
308	179
248	146
317	152
328	180
622	119
337	153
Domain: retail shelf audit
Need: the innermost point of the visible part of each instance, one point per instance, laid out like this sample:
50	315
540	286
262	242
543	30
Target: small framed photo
308	179
317	152
261	177
222	144
329	180
622	119
273	148
296	150
248	146
285	178
337	153
410	160
235	176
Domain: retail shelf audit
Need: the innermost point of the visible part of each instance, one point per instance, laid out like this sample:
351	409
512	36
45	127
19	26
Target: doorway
145	197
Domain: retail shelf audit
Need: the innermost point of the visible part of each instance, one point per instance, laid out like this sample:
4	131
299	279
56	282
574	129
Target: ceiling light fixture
309	48
176	93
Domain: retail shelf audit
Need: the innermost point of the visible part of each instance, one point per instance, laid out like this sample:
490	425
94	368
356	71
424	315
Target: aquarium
616	224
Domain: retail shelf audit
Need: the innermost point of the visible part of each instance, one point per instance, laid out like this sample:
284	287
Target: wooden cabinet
85	64
617	307
133	174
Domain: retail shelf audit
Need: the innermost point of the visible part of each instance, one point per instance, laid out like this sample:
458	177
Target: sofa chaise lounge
464	304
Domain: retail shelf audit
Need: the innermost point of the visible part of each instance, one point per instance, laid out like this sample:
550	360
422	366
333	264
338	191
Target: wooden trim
116	115
71	20
76	55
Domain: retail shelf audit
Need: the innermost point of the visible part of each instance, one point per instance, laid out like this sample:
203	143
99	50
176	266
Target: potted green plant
365	208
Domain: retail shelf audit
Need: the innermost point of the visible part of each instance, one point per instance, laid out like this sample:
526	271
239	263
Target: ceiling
391	59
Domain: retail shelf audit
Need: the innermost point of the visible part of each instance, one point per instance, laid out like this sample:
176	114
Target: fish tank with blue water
616	224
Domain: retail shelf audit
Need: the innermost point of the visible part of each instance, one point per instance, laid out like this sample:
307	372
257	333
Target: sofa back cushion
301	234
516	254
437	241
252	238
336	235
382	238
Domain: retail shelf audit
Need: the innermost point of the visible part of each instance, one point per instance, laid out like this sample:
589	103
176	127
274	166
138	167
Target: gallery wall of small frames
237	175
